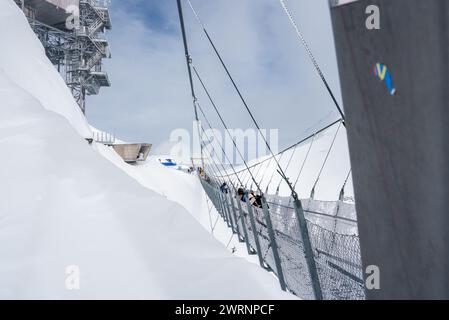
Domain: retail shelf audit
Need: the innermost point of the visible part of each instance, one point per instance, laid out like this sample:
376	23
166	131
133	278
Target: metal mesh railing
338	262
333	234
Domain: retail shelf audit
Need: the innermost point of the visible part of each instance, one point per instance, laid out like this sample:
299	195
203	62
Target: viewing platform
133	152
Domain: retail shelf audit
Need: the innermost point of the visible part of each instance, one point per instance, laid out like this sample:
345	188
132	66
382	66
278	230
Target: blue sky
152	13
150	97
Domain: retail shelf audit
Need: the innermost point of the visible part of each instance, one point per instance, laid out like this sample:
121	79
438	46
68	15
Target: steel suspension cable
342	191
246	178
224	124
265	171
212	169
189	70
215	137
281	171
325	159
297	143
312	58
258	171
219	174
272	175
240	216
213	149
286	168
347	178
215	167
304	162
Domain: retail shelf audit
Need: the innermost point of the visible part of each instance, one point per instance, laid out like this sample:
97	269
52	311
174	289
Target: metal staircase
86	76
77	53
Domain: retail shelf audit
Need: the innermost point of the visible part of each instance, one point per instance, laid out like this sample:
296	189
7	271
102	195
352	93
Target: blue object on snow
168	163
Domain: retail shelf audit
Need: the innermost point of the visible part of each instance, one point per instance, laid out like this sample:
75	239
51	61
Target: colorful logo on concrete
382	72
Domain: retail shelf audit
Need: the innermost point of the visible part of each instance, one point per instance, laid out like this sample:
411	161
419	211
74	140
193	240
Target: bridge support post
236	220
274	247
254	229
223	208
307	245
217	202
243	224
228	211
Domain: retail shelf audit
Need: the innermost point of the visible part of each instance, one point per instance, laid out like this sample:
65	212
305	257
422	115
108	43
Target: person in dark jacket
256	201
259	201
224	187
242	195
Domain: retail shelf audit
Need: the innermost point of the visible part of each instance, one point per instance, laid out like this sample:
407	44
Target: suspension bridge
312	246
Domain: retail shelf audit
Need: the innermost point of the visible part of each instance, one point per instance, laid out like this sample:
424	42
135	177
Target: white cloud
150	95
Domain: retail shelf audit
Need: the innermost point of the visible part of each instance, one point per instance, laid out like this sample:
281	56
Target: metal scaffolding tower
73	35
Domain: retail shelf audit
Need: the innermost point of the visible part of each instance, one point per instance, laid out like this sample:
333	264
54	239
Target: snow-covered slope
184	189
64	204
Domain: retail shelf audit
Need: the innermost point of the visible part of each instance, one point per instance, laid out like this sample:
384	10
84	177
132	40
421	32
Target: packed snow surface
65	203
